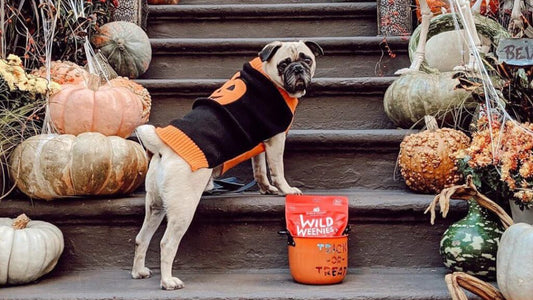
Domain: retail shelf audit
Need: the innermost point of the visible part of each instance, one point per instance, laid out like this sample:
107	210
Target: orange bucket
319	260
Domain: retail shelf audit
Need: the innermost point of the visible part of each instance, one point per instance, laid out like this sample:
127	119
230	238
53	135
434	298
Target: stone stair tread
363	204
360	283
210	46
263	10
319	86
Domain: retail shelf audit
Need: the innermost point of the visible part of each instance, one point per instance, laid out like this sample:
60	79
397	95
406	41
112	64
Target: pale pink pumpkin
110	110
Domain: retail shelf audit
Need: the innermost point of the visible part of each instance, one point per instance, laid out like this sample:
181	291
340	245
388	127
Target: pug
248	117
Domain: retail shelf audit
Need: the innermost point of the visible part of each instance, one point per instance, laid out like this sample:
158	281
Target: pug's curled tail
149	138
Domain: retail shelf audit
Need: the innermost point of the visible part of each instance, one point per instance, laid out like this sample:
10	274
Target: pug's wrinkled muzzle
297	77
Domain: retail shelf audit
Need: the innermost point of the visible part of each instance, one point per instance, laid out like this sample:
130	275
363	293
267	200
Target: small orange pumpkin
110	110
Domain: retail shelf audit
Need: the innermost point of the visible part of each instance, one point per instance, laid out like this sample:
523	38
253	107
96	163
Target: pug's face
291	65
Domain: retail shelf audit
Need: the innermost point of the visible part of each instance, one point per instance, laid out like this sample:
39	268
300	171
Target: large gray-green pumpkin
51	166
414	95
126	47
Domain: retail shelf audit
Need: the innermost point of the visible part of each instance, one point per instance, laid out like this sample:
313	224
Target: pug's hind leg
260	175
154	214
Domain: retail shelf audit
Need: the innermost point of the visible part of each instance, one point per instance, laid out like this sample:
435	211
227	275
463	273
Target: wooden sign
516	52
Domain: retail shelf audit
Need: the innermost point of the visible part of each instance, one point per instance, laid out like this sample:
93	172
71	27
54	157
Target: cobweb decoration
494	106
493	110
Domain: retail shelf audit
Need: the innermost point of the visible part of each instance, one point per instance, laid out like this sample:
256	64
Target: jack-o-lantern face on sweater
231	91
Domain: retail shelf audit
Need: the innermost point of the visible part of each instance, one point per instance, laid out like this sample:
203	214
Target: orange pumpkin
427	160
110	110
64	72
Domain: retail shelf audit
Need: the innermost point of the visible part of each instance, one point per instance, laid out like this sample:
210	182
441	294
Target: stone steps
240	231
251	20
275	284
216	58
330	103
340	159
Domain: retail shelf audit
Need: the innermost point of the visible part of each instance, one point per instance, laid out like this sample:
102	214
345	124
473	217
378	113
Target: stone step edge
319	86
263	11
251	46
364	206
274	284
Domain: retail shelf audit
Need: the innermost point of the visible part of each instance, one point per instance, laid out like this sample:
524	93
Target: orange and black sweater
230	125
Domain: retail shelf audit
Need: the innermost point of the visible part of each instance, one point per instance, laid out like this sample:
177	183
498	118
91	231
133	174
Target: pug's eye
308	61
282	65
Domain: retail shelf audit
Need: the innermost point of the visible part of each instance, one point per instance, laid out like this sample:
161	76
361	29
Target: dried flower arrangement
22	106
500	160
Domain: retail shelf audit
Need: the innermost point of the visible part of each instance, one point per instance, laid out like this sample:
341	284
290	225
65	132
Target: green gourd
125	46
470	245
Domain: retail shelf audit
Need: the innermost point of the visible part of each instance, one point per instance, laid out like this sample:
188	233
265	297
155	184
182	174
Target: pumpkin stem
94	82
20	222
431	123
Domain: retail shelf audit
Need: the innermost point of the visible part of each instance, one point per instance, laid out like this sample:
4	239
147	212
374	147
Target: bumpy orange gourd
64	72
427	160
110	110
50	166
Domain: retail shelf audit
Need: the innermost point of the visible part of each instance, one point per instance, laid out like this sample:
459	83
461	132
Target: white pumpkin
514	263
28	249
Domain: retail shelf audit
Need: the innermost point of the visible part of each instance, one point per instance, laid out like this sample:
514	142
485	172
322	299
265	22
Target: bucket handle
290	239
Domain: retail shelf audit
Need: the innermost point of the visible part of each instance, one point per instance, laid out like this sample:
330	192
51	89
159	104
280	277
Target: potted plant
500	161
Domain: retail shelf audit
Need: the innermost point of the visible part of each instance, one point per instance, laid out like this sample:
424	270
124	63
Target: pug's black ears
315	48
269	50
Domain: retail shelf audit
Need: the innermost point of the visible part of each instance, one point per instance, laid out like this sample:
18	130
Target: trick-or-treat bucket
318	260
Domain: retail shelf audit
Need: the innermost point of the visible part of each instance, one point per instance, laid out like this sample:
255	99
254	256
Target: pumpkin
426	159
487	28
50	166
515	262
414	95
141	92
110	110
28	249
126	47
63	72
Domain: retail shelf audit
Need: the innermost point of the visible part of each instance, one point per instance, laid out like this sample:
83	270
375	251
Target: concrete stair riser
221	58
175	65
282	20
241	231
321	112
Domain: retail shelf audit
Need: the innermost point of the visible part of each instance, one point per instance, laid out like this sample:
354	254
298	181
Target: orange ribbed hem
183	146
243	157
